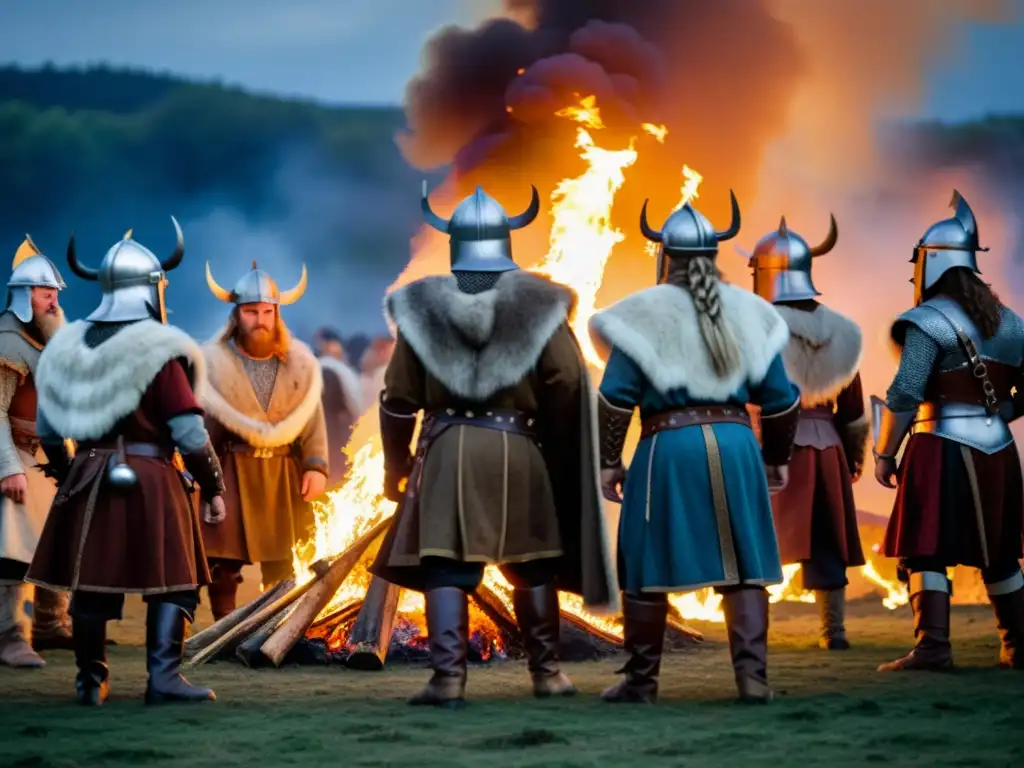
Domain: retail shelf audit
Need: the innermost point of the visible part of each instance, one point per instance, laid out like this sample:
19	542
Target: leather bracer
890	427
396	431
613	424
204	466
778	430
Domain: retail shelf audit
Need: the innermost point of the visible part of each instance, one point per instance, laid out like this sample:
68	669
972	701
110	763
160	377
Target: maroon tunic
141	540
820	488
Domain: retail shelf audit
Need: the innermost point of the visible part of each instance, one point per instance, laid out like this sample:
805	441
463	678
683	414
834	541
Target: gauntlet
204	466
613	423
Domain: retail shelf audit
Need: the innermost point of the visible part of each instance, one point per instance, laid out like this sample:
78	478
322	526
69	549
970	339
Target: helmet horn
963	213
441	225
179	251
734	226
783	227
527	216
215	289
294	294
84	272
651	234
830	239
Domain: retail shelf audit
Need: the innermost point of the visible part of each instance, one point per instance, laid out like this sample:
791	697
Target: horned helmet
688	232
781	263
257	287
950	243
31	269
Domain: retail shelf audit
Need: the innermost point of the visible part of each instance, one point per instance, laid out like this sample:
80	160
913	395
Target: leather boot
537	612
644	641
165	642
1009	610
832	610
932	651
16	628
746	622
223	591
51	625
448	636
92	684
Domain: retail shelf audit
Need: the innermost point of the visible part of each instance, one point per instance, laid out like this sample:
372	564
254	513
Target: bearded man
266	419
31	317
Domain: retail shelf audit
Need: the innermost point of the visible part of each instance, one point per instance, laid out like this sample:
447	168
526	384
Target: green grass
832	709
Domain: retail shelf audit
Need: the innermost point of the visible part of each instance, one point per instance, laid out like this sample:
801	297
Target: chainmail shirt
262	375
97	333
916	365
476	282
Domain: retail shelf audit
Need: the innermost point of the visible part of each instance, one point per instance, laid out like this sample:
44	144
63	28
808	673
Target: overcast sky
364	51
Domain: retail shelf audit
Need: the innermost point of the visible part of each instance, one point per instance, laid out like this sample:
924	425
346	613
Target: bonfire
335	603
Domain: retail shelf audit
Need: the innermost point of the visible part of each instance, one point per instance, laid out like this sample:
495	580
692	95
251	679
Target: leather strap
696	415
141	450
259	453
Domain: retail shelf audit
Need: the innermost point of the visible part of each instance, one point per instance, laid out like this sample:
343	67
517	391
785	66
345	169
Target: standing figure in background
815	515
120	383
960	500
372	366
31	317
504	470
342	400
266	420
691	353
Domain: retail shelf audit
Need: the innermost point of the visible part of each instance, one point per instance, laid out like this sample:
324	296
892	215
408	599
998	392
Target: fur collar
351	385
229	397
84	392
657	329
823	353
479	344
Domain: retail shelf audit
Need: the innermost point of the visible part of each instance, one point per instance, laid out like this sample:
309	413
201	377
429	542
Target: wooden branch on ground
676	624
200	640
318	597
248	652
593	629
370	638
495	610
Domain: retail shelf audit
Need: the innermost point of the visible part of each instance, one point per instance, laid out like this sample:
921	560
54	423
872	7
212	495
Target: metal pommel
889	428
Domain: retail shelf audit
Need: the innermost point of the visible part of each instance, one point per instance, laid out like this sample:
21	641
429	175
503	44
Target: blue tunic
673	537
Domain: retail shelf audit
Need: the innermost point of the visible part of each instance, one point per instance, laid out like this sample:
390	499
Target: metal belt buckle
262	453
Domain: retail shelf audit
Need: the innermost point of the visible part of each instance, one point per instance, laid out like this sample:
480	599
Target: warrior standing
815	515
960	500
691	353
120	383
504	471
31	317
266	420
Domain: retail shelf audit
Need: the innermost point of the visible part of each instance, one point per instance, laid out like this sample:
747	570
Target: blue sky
364	51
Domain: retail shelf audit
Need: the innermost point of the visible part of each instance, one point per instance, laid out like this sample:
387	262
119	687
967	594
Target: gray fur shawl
823	354
657	329
479	344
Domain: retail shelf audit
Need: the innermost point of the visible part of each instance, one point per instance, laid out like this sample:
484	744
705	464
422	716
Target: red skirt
819	493
957	504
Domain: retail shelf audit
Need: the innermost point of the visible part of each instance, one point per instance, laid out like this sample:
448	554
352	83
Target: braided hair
699	276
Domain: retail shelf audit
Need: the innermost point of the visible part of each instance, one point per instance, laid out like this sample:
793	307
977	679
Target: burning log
248	652
318	597
675	624
495	610
200	640
371	634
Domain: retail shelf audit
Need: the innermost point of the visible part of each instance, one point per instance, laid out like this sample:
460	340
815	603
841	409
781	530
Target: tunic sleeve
171	394
10	462
404	380
850	403
560	378
313	442
916	363
776	393
623	383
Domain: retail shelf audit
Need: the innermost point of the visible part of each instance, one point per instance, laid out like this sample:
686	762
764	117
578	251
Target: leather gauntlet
396	431
613	424
777	433
58	461
204	466
855	443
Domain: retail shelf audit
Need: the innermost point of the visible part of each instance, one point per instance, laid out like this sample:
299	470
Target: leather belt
259	453
141	450
693	416
820	414
503	420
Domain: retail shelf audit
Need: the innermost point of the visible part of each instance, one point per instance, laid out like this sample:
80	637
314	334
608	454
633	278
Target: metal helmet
31	269
687	232
480	231
132	278
782	263
257	287
946	245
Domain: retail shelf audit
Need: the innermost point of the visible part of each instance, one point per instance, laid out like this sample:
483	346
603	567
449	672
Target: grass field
832	709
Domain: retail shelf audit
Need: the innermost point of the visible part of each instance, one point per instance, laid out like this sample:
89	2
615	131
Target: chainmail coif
476	282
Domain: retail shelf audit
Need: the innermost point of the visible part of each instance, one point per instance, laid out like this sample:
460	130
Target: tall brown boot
832	610
930	602
1009	608
448	635
16	627
538	615
746	622
51	624
644	640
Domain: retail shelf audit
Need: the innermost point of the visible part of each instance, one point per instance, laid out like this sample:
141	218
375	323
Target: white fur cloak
84	392
657	328
823	354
